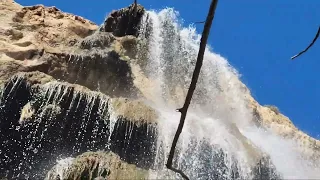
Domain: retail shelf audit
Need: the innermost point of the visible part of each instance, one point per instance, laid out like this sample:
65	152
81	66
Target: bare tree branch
195	76
199	22
311	44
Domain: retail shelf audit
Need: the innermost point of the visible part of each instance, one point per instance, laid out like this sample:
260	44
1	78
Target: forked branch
192	87
311	44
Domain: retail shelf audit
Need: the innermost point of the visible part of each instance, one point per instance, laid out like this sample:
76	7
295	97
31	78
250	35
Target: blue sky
257	37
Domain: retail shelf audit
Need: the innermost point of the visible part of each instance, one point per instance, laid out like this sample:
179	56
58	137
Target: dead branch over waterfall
192	87
311	44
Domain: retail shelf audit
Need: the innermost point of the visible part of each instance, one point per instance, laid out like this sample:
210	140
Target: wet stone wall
42	123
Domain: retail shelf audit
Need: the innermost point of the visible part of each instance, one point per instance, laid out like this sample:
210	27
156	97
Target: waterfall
111	111
219	140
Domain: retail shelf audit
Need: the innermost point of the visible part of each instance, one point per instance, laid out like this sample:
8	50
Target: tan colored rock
97	165
7	69
28	33
134	110
35	77
283	126
39	38
65	46
53	28
26	113
44	27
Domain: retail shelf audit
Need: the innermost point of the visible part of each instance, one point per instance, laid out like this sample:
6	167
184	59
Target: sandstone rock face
67	47
98	165
42	118
281	125
42	115
69	87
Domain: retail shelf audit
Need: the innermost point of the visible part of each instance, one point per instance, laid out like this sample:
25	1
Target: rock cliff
69	87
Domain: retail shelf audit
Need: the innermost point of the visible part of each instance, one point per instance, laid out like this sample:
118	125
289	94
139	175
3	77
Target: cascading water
46	122
219	140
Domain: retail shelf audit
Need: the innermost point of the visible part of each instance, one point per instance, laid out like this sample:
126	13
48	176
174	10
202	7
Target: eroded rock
97	165
70	48
45	19
125	21
42	119
97	40
281	125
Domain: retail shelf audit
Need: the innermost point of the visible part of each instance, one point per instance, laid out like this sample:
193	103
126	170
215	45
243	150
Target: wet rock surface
97	165
42	119
125	21
68	87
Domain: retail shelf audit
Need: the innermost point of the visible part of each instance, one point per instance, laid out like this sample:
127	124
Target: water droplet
35	151
17	128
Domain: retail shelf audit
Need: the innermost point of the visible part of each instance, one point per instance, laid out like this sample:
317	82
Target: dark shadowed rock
101	70
42	120
265	170
123	22
98	39
104	71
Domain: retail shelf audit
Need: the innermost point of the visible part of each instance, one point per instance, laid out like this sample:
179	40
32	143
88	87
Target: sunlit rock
95	165
69	87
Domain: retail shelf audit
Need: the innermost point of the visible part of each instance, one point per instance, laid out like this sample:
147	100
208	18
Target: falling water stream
219	141
218	119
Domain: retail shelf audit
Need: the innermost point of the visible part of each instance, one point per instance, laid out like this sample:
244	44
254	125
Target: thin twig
311	44
199	22
195	76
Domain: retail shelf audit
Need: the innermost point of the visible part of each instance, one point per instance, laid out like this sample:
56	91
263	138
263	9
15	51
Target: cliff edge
51	60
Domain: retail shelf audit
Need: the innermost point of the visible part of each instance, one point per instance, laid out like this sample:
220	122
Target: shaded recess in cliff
124	21
101	71
41	122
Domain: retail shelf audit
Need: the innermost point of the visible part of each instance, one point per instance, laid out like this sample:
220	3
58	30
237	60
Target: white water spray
218	118
60	168
219	140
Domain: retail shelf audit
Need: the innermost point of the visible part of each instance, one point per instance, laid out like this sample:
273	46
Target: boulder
97	165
